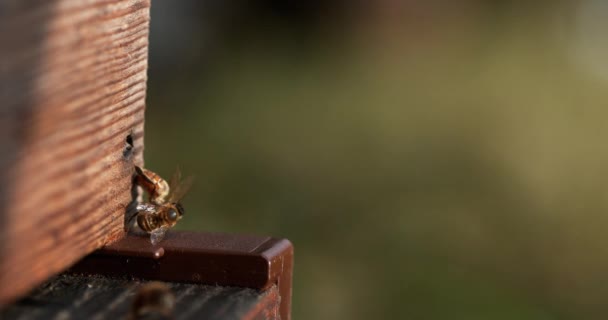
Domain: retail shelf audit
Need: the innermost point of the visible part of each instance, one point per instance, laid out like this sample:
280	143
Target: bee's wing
147	207
175	179
179	188
158	234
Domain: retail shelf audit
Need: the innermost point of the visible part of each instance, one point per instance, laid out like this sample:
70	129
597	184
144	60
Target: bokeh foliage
445	163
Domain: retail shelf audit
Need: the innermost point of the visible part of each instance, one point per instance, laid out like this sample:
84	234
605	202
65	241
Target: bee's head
180	209
176	212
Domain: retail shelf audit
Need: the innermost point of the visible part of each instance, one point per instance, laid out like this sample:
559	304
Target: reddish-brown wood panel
72	94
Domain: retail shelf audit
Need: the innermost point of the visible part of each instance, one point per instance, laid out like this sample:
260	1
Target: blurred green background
428	159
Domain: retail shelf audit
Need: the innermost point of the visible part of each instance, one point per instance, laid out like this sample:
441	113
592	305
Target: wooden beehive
72	99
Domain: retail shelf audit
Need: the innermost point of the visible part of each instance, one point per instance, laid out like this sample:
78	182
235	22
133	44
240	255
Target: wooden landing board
72	92
257	262
97	297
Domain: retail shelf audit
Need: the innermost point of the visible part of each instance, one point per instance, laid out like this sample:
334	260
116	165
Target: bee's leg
130	213
130	225
143	180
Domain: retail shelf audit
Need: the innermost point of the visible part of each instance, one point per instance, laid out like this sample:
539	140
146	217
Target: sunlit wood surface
72	91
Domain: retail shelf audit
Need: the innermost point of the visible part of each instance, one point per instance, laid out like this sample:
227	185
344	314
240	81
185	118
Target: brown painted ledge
204	258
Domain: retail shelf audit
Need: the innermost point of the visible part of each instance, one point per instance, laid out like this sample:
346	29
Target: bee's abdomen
148	222
157	187
161	192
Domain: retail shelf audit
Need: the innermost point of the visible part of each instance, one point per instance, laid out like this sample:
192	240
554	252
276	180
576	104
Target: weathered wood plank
97	297
72	94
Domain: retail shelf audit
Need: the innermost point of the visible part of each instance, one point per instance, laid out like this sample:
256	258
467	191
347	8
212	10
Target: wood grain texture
72	89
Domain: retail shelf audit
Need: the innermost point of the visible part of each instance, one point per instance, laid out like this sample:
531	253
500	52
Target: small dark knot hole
128	147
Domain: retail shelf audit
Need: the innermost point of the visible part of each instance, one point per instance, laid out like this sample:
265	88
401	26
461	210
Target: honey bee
164	208
154	300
